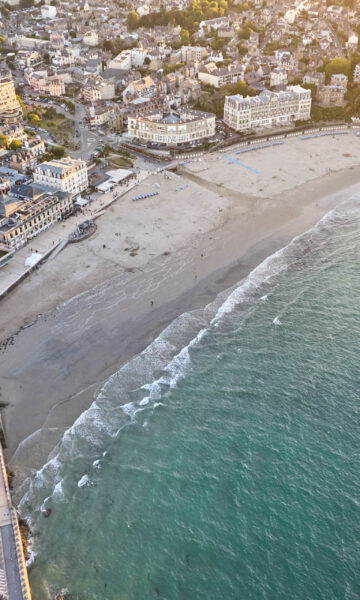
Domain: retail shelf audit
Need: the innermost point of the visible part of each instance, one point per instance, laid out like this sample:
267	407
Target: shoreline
56	365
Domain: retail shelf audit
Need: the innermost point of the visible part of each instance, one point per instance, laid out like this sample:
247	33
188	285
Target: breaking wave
144	383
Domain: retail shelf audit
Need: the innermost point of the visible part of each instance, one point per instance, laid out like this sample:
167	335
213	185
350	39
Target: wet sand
52	368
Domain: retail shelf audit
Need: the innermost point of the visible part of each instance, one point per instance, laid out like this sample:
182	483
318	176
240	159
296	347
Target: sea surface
223	462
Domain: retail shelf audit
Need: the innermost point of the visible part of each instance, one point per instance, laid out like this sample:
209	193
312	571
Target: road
338	46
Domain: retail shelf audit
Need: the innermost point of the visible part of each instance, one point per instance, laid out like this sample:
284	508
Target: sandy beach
75	321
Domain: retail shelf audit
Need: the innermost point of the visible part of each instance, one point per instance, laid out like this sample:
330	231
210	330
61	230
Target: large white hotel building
66	175
172	128
268	108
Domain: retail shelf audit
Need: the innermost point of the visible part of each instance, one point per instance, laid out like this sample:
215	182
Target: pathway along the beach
14	584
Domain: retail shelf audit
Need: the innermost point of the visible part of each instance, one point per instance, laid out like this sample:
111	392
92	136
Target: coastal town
130	132
85	90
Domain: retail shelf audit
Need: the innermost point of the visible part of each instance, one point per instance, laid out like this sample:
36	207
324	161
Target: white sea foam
129	409
144	401
31	556
115	406
84	481
59	491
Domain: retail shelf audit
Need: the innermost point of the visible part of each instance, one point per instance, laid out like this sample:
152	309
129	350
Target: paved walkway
14	583
49	239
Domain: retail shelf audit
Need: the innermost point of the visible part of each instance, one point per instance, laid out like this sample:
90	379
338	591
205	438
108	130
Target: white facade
66	175
268	109
215	77
48	11
278	77
128	59
98	89
357	73
91	38
339	79
290	16
172	128
40	215
192	53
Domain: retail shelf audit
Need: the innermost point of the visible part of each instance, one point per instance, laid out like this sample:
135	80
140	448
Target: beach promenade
76	320
14	584
46	244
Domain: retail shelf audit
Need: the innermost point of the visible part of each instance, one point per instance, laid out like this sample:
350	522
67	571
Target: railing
24	581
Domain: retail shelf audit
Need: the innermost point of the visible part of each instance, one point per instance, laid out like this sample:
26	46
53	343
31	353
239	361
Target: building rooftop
183	116
27	209
59	166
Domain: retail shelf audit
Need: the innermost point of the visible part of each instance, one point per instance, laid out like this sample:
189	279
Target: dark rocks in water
10	476
63	596
47	512
25	536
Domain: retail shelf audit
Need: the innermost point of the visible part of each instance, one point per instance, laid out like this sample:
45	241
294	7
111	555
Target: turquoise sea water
223	462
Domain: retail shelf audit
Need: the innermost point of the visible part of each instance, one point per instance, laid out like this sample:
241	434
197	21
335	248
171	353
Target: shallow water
222	462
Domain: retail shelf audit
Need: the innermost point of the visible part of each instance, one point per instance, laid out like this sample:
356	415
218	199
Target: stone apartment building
357	73
27	58
40	82
141	88
330	95
23	217
13	131
217	77
268	109
22	161
35	146
192	53
315	78
278	77
339	79
96	88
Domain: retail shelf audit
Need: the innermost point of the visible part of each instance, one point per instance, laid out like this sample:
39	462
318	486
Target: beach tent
33	259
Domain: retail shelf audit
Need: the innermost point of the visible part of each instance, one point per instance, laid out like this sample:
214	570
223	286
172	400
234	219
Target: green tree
242	49
185	37
4	141
33	118
20	101
58	152
26	3
50	113
15	145
132	20
338	65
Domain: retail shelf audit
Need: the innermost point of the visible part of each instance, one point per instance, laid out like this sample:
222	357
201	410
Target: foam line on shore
138	387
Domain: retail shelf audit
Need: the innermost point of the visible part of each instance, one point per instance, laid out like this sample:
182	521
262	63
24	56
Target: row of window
56	212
